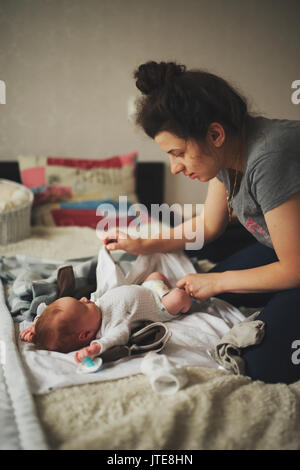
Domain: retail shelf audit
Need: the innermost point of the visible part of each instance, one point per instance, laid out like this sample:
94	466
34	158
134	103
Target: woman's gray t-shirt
271	174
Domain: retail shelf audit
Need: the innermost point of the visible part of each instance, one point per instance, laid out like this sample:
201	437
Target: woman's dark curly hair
184	102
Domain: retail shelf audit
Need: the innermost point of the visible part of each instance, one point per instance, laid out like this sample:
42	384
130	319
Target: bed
215	410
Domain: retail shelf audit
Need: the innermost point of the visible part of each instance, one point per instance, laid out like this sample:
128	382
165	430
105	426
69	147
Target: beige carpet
214	411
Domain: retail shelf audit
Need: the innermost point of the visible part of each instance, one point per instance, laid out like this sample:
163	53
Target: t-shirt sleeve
275	178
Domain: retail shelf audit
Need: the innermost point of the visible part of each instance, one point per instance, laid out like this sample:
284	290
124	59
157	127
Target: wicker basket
15	223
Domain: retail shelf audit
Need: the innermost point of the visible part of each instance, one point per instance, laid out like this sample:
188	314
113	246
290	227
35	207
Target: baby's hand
92	350
28	333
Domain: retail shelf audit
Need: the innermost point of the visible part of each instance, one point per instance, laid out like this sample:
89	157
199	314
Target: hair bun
153	75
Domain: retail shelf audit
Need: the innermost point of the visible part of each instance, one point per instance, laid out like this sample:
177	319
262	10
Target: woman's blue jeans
271	361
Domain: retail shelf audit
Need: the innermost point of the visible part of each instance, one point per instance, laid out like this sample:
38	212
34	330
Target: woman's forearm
163	243
271	277
188	235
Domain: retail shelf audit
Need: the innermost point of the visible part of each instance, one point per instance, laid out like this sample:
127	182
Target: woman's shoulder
269	136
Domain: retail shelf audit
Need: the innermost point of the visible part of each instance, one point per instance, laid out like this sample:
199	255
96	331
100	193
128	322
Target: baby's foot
177	301
186	302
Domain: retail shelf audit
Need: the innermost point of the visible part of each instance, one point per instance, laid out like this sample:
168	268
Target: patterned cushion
67	191
85	215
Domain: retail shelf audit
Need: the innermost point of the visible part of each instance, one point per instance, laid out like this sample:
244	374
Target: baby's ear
84	335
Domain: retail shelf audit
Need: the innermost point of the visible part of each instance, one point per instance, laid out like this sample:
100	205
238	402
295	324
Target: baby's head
67	324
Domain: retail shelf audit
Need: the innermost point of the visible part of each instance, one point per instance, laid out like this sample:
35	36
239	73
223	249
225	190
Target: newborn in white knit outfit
95	325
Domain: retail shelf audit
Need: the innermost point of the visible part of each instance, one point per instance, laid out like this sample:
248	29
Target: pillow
84	214
56	179
67	191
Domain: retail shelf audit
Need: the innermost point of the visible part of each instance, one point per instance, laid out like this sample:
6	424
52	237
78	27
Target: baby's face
83	313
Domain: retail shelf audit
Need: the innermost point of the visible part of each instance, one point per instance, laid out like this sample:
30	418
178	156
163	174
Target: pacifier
89	365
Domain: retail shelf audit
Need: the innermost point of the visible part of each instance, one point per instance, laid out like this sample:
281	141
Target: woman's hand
201	286
118	240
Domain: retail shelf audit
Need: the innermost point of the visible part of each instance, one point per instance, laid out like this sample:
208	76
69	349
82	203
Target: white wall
68	67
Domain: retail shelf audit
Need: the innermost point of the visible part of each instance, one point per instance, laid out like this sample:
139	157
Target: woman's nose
83	299
176	168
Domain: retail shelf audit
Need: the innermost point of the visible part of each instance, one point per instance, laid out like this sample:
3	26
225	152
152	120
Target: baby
90	327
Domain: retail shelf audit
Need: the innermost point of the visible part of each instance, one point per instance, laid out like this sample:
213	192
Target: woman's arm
207	226
284	227
212	222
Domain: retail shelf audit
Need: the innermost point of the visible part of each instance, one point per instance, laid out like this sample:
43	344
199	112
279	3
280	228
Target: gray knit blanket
32	280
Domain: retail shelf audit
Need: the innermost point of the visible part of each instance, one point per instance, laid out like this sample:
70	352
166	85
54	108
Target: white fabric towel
166	377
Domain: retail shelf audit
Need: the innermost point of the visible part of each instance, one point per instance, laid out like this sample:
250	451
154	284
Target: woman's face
189	157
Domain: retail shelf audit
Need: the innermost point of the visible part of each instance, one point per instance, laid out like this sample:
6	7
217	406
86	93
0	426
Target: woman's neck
235	153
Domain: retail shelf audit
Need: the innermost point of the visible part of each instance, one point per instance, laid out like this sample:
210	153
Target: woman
253	167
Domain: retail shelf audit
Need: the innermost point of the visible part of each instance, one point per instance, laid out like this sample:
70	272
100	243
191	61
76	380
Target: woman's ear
216	134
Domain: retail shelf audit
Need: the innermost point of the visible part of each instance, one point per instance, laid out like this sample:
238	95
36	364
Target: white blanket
20	427
193	334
